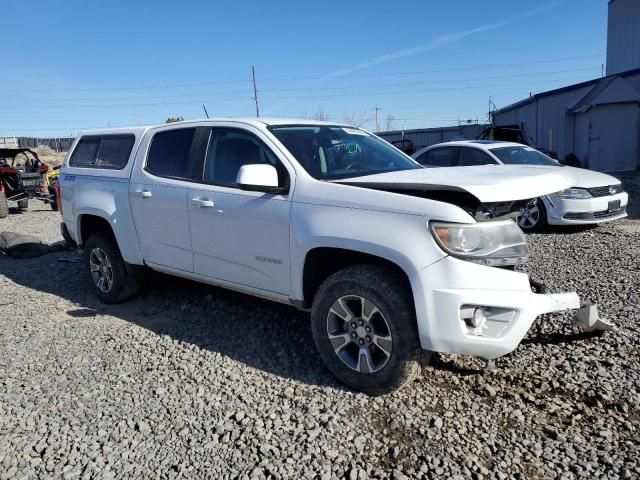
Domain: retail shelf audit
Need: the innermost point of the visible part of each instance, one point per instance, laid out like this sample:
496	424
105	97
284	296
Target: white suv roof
256	122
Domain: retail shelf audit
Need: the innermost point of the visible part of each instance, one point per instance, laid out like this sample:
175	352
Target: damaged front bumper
470	309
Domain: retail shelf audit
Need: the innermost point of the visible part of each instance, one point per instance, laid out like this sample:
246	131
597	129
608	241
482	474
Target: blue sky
82	64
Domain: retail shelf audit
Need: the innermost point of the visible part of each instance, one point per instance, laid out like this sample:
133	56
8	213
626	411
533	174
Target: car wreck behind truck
390	258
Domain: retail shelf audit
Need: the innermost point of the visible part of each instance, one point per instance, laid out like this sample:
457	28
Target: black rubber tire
23	204
390	292
54	199
541	225
125	286
4	206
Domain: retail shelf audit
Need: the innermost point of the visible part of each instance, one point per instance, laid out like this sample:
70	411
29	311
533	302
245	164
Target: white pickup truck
389	257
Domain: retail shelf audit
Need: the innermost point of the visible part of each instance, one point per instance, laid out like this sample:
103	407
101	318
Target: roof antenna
205	110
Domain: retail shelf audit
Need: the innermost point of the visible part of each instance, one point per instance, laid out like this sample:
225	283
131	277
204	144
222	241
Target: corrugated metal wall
623	36
604	135
430	136
56	144
546	120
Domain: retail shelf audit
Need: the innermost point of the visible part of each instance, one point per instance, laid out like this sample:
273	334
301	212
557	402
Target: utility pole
255	90
491	104
602	70
376	108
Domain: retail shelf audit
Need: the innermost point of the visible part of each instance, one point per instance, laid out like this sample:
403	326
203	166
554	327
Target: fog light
478	318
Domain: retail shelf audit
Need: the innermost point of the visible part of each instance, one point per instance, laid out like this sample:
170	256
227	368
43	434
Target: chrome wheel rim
529	218
101	270
359	334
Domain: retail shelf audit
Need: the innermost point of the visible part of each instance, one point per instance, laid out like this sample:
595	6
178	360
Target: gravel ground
193	381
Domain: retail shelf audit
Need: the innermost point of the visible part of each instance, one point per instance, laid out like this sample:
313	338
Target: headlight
495	243
574	193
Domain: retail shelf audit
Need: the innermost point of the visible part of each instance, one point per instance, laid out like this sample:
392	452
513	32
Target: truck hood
487	183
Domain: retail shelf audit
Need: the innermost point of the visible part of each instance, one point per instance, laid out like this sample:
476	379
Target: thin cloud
440	42
436	43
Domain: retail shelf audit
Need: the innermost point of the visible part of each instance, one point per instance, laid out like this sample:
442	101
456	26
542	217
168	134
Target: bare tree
320	114
389	123
359	120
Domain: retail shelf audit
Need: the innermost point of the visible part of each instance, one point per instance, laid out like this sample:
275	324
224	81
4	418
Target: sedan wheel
533	217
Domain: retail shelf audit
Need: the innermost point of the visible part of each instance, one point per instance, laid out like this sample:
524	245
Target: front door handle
144	193
202	202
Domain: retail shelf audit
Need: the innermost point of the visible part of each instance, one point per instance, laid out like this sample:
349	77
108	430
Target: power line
317	77
330	95
344	87
419	72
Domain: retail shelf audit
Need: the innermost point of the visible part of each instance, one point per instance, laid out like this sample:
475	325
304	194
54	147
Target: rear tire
23	204
107	270
54	199
533	219
379	303
4	206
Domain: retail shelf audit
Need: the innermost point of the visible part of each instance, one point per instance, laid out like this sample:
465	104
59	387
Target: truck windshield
523	156
335	152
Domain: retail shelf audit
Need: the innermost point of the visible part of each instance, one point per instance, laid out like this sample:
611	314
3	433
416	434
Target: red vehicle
20	178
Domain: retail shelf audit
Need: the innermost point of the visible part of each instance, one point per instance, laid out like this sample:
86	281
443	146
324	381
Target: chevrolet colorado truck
389	257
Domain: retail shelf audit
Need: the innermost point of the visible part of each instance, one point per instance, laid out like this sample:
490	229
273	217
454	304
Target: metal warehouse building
425	137
598	120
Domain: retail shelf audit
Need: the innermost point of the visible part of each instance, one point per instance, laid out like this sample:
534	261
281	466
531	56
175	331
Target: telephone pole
376	108
255	90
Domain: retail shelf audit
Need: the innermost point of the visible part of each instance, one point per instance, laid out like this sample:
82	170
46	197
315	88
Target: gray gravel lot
193	381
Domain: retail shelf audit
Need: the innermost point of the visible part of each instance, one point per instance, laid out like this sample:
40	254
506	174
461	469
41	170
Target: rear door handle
144	193
202	202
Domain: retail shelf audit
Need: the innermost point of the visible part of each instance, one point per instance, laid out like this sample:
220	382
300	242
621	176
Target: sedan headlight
494	243
574	193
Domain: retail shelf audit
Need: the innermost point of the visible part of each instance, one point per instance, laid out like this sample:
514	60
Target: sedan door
240	237
159	199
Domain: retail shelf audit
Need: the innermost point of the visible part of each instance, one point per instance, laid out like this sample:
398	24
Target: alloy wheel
359	334
529	218
101	270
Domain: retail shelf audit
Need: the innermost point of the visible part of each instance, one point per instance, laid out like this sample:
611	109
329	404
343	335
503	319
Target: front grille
605	191
607	214
602	215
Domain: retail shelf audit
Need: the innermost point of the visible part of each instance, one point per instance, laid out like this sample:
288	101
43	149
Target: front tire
533	219
54	199
107	270
364	327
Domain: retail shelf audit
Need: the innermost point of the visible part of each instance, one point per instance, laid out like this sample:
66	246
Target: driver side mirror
259	178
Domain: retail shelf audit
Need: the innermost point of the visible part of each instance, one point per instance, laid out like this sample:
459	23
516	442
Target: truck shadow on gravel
264	335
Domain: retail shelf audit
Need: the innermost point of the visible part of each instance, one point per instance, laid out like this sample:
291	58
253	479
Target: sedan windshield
333	152
523	156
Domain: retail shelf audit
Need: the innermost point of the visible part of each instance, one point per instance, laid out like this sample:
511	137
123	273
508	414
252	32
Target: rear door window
108	152
470	156
439	157
169	153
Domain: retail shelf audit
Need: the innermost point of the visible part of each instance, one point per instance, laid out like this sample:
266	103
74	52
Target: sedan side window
474	156
438	157
229	149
